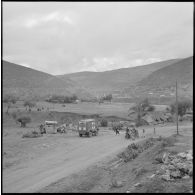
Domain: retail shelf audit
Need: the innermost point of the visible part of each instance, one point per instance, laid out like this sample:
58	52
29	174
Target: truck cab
88	127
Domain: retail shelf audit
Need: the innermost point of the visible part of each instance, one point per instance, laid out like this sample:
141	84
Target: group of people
131	133
42	129
116	129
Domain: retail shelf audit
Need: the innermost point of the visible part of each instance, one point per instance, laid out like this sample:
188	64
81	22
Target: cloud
51	17
63	37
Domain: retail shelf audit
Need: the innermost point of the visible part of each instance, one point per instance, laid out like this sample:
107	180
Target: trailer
50	126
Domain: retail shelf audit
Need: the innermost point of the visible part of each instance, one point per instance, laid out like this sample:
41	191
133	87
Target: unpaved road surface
65	160
62	162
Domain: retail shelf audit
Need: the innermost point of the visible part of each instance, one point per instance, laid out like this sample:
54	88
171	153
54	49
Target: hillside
24	81
182	71
115	80
161	83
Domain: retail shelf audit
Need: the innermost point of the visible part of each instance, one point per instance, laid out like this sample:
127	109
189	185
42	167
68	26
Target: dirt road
63	161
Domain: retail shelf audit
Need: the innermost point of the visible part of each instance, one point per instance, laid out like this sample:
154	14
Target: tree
24	120
108	97
29	104
104	123
141	108
9	100
74	97
105	98
183	106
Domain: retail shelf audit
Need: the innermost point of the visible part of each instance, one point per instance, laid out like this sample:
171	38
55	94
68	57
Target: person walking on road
143	132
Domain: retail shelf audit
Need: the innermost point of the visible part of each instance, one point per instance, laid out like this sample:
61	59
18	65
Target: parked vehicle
50	126
88	127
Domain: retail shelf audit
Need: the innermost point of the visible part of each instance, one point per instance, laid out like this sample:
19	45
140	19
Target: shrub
150	108
140	122
32	134
104	123
29	104
183	106
14	115
9	99
24	120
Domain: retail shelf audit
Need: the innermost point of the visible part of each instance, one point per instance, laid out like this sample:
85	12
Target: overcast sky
65	37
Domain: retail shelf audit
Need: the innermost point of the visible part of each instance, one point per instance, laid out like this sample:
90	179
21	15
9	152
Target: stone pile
176	166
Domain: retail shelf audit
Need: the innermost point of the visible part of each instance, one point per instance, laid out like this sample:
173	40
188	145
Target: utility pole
177	109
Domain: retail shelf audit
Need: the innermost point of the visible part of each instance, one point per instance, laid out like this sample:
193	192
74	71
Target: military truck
88	127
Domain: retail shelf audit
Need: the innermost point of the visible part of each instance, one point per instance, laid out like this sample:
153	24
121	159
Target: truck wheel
89	134
80	135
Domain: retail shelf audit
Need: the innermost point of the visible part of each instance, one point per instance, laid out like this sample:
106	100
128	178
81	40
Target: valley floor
100	177
40	164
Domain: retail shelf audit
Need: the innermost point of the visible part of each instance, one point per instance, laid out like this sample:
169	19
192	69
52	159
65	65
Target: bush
151	108
140	122
32	134
104	123
24	120
14	115
29	104
183	106
62	99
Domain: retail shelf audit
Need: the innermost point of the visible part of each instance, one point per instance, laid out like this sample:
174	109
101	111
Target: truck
88	127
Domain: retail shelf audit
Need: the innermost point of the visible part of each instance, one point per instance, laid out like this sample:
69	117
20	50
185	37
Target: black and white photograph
97	97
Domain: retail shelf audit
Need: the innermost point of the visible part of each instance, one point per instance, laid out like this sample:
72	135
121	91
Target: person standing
143	132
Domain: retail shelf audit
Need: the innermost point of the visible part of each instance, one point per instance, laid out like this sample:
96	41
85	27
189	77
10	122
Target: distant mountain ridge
115	80
25	81
156	78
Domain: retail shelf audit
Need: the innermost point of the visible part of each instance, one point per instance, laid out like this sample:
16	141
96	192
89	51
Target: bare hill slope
182	71
25	81
109	81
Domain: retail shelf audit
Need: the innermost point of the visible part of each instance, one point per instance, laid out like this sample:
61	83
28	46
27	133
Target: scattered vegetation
32	134
183	107
62	99
24	120
29	104
9	99
141	108
14	115
104	123
133	150
105	98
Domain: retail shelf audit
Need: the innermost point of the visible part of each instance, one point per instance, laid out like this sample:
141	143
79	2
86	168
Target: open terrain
31	164
59	162
100	176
